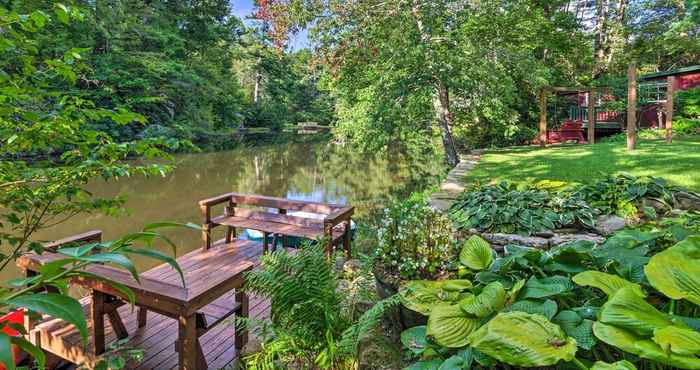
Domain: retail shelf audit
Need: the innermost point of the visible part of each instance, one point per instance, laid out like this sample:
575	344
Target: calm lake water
317	172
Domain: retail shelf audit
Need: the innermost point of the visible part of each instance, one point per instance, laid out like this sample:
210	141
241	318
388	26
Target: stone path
454	184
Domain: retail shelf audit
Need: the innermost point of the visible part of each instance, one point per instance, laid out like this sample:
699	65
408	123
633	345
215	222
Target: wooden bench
333	228
209	274
569	131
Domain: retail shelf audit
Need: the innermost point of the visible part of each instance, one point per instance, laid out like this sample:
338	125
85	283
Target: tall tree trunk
441	97
441	102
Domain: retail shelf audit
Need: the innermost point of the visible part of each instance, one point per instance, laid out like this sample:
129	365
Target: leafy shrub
313	322
689	103
686	126
644	134
504	208
622	194
414	241
577	303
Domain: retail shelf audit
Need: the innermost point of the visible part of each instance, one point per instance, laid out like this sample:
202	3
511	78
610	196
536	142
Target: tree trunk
441	102
441	97
631	107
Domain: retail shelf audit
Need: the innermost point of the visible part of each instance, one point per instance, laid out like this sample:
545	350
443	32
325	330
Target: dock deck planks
158	337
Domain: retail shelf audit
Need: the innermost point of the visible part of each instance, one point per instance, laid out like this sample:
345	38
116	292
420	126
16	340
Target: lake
320	172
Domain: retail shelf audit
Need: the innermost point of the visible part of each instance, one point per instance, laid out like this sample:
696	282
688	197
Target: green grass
678	162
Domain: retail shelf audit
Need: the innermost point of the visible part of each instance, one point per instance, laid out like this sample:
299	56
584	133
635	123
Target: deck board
158	337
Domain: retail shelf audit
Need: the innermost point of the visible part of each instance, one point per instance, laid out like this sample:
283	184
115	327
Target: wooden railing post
670	89
230	211
206	226
543	117
591	116
632	107
241	338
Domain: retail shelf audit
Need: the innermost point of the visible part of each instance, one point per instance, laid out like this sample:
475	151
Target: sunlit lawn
678	162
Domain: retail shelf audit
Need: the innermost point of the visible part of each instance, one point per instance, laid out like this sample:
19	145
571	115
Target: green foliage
414	241
622	194
312	322
523	339
688	106
504	208
476	253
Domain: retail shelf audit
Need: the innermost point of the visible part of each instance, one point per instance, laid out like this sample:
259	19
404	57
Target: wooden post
591	116
543	117
97	320
670	89
631	106
241	337
187	342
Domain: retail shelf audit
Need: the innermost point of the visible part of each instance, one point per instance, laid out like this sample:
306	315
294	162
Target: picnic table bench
208	274
272	216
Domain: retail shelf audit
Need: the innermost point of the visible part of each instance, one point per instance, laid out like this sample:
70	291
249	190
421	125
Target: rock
544	234
687	201
352	267
527	241
659	207
567	238
608	224
253	346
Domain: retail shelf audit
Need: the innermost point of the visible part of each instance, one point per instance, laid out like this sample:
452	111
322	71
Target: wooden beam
591	116
543	117
670	89
631	106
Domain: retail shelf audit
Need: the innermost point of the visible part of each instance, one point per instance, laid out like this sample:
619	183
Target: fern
353	335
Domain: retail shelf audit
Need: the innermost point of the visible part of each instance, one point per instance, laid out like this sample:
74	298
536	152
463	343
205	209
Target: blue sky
243	8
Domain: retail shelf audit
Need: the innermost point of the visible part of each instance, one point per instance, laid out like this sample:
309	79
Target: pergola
566	90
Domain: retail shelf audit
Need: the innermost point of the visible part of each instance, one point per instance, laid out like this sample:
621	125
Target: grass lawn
678	162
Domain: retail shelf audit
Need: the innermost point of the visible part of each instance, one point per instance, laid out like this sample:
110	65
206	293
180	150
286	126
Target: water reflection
318	172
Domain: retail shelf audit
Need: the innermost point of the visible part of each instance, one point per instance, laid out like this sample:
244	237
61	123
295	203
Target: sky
243	8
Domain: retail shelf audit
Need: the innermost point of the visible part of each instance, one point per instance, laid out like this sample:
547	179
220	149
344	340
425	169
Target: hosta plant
505	208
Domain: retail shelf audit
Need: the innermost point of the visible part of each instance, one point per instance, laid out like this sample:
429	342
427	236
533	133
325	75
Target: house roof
672	72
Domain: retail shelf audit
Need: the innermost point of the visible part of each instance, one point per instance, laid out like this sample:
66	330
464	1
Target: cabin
653	92
570	111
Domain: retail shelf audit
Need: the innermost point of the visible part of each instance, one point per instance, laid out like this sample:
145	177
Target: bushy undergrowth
504	208
630	302
315	322
414	241
508	208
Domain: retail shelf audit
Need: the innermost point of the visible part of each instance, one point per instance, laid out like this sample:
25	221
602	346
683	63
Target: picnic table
209	274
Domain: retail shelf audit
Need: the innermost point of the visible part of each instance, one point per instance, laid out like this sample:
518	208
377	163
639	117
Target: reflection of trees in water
320	172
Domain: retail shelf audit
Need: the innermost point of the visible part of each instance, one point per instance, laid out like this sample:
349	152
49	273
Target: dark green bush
504	208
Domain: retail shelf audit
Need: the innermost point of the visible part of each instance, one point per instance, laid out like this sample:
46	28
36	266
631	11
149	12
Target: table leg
346	239
187	335
243	311
98	322
266	247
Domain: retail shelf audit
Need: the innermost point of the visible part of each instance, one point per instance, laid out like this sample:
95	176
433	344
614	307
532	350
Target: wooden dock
157	339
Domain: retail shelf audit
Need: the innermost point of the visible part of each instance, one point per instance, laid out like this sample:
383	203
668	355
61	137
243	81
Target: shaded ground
678	162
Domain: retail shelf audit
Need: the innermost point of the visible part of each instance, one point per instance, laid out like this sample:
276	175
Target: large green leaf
57	305
450	325
675	272
476	253
627	310
491	299
423	295
630	342
522	339
619	365
576	327
683	341
608	283
433	364
415	339
547	308
547	287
